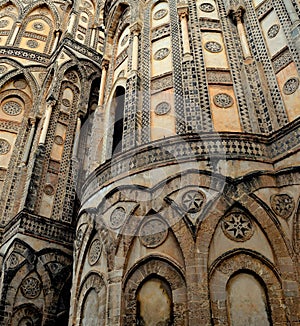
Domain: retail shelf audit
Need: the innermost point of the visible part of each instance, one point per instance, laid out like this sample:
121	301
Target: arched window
154	303
247	301
118	109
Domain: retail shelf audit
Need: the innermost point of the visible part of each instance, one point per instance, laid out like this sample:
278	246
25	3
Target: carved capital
237	13
136	28
105	64
183	11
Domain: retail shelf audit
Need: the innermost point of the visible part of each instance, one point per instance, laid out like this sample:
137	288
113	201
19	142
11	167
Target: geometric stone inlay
124	40
66	102
4	23
160	14
291	85
32	44
213	46
207	7
94	252
283	205
4	146
12	108
237	226
58	140
20	83
31	287
153	232
38	26
117	217
3	69
49	190
162	108
192	201
273	30
223	100
161	54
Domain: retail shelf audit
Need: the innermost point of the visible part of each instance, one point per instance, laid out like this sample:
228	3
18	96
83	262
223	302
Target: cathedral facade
149	162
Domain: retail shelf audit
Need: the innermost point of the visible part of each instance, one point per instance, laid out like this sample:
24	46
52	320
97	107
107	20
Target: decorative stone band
179	149
93	55
40	227
25	54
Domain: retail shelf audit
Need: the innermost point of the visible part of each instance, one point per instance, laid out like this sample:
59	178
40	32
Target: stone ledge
197	147
39	227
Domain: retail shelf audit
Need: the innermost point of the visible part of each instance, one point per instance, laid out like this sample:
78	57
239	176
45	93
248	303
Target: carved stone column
105	64
237	14
135	29
15	33
71	22
183	13
57	35
29	142
76	138
46	122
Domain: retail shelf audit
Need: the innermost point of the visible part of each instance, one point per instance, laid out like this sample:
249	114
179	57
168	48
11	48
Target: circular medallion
55	267
4	23
72	76
213	47
237	226
94	252
283	205
38	26
117	217
87	4
58	140
12	108
207	7
4	146
32	44
192	201
80	37
20	83
124	40
162	108
161	54
153	232
291	85
49	189
31	287
3	69
84	19
66	102
160	14
273	30
223	100
12	261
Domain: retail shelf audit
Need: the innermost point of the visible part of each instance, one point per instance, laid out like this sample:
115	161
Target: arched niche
223	288
91	302
117	109
37	31
172	281
154	303
247	301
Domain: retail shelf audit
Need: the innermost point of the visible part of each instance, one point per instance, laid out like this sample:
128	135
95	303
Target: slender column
76	138
292	12
15	33
135	30
237	16
49	107
71	22
57	35
93	36
29	142
183	13
105	64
